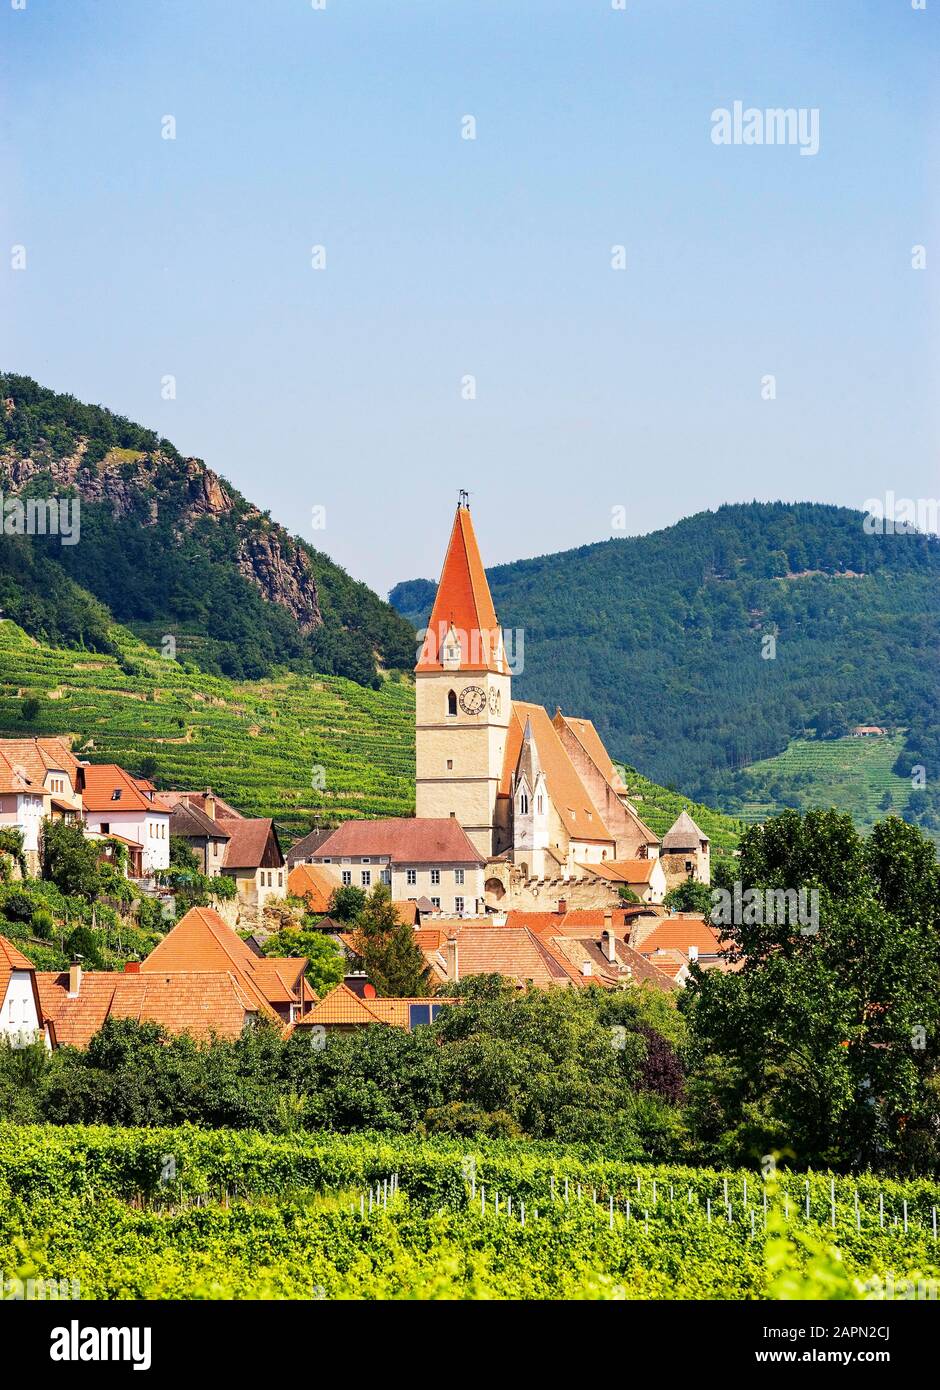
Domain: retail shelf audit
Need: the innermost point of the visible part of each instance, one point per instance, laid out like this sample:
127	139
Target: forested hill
660	639
167	546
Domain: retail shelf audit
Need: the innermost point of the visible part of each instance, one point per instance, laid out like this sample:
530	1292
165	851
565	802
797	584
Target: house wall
253	886
19	1019
447	890
151	829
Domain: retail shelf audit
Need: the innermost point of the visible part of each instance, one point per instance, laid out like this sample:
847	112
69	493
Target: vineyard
855	774
186	1213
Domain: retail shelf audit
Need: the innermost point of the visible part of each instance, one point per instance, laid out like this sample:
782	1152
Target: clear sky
446	257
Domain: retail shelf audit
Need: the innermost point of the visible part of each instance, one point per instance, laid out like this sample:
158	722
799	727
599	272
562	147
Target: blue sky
447	257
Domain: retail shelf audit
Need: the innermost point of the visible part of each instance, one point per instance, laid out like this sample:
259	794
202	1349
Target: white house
116	804
21	1019
39	779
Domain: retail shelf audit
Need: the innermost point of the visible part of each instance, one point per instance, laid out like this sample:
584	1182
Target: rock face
149	488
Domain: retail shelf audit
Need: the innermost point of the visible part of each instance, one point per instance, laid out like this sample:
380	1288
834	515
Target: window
347	878
116	794
523	804
458	905
366	878
366	859
280	878
452	703
435	902
435	876
450	764
422	1014
106	827
458	877
387	877
411	877
539	803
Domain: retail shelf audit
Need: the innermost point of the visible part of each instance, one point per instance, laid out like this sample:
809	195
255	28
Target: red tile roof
342	1007
315	885
679	933
251	843
404	841
463	600
102	780
196	1002
565	787
11	959
202	941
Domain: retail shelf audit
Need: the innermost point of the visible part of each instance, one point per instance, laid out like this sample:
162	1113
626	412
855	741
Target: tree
391	957
182	855
327	961
30	709
689	897
69	860
347	903
824	1042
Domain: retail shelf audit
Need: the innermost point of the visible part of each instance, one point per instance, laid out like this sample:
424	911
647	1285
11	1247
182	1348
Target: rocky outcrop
281	570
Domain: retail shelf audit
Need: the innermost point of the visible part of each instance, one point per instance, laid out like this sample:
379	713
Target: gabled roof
403	841
196	1002
10	959
567	791
202	941
188	820
250	843
223	811
343	1006
463	601
303	849
591	742
683	834
109	788
313	883
31	758
679	933
630	966
627	871
516	953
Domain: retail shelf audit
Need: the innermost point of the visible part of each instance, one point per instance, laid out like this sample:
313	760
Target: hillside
660	639
169	547
301	749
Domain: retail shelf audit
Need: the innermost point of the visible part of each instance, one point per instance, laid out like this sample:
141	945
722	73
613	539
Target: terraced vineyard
659	807
294	747
854	774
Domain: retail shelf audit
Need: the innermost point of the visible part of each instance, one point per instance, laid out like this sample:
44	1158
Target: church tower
463	695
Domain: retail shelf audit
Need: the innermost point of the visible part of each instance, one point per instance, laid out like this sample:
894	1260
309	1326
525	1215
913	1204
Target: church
537	792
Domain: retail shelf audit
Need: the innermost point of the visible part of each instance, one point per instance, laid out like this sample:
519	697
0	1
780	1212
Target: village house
421	857
315	884
302	851
205	836
40	779
344	1011
254	860
115	805
21	1016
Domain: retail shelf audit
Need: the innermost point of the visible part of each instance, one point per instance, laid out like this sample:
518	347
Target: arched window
451	702
523	804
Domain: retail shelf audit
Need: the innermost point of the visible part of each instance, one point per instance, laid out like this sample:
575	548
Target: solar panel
418	1014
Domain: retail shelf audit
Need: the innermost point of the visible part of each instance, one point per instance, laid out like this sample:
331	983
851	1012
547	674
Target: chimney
450	955
75	977
132	967
609	945
693	953
209	803
562	906
586	968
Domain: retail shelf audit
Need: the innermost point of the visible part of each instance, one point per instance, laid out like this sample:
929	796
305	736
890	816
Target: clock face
472	699
494	700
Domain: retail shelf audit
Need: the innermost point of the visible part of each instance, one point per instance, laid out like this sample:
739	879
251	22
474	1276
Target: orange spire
463	633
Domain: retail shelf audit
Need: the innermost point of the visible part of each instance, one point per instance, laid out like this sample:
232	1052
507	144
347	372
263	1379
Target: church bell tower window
452	703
